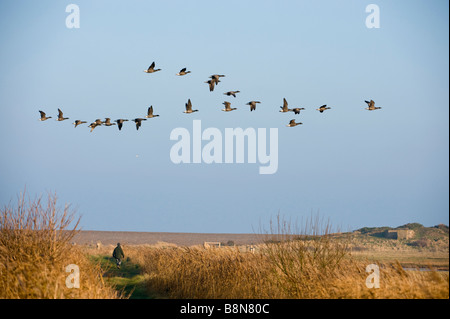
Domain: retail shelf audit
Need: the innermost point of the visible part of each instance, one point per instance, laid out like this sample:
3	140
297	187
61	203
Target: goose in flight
285	108
211	84
228	107
183	72
252	105
138	122
107	122
189	107
93	125
150	113
43	117
372	106
78	122
215	77
323	108
151	68
98	122
297	110
120	123
292	123
233	93
60	116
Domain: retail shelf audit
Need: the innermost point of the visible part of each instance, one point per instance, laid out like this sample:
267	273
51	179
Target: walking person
118	255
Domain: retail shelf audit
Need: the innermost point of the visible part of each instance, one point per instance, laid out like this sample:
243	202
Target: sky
352	166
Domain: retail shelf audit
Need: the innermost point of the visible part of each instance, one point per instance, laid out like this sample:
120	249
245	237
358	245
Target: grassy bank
35	251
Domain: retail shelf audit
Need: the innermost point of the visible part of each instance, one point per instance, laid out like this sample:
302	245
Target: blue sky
357	168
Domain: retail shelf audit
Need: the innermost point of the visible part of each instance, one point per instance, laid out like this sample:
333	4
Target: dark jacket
118	253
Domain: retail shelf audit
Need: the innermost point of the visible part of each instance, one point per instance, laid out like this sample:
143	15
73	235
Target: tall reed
311	262
35	249
196	272
305	257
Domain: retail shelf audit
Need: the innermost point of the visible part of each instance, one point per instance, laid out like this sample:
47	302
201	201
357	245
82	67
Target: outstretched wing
189	105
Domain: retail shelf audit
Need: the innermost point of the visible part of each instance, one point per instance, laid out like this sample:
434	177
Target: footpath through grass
129	278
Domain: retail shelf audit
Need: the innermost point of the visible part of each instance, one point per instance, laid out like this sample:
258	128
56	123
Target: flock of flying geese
212	82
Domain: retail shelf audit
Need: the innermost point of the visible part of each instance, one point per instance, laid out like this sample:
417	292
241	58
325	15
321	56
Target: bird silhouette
189	107
297	110
183	72
78	122
233	93
107	122
372	106
43	117
292	123
215	78
120	123
323	108
252	105
151	69
138	122
211	84
60	116
285	108
93	125
150	113
228	107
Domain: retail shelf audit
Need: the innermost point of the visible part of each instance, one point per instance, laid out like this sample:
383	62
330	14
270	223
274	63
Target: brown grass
308	263
196	272
311	264
35	250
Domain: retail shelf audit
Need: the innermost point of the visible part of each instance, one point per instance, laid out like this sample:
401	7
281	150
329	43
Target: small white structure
211	244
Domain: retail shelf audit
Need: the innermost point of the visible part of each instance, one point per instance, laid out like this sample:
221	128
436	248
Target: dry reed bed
200	273
228	273
308	265
35	250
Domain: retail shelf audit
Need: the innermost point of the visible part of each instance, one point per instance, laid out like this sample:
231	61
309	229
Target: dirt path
129	279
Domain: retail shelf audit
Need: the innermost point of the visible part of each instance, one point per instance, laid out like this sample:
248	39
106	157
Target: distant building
211	244
400	233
